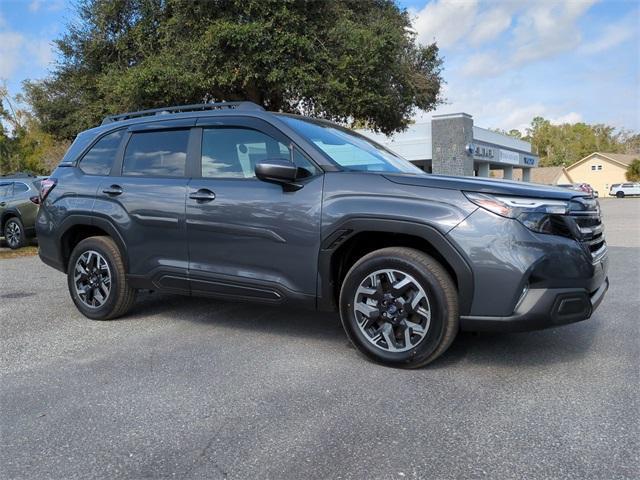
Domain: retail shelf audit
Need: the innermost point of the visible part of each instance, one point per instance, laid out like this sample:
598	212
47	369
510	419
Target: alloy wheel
392	310
13	234
92	279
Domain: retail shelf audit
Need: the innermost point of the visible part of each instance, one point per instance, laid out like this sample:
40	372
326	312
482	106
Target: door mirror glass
277	170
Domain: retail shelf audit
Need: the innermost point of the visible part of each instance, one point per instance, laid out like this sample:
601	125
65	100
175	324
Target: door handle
113	190
202	195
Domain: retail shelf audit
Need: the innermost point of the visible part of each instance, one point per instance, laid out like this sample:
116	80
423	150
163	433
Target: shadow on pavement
557	345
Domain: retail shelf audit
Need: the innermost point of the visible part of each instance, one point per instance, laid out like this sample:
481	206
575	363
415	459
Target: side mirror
280	171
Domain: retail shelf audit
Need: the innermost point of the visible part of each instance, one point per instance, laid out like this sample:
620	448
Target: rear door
249	238
6	190
145	197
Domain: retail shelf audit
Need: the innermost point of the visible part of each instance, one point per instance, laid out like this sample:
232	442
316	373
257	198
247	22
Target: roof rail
183	108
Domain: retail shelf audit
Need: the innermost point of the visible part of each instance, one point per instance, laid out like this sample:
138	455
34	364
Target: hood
486	185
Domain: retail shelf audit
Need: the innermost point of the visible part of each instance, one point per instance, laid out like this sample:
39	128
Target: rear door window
156	154
6	190
99	159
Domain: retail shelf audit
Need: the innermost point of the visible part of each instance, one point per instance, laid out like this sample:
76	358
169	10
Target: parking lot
195	388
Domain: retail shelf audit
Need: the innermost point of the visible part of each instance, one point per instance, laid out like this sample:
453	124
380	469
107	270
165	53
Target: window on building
596	168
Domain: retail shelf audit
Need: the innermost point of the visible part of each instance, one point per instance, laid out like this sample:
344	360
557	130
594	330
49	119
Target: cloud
445	21
18	51
483	65
571	117
42	51
547	28
35	5
10	53
491	23
612	36
51	5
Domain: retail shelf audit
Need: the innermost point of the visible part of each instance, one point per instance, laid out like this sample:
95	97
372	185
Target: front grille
589	229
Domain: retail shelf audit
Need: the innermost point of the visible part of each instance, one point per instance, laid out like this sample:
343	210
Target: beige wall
600	180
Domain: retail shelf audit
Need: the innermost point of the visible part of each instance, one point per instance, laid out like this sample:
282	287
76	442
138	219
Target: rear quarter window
19	187
99	159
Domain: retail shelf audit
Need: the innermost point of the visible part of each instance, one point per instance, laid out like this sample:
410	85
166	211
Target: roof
623	159
542	175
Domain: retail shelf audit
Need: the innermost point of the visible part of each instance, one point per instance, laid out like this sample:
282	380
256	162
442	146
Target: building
601	170
547	176
451	145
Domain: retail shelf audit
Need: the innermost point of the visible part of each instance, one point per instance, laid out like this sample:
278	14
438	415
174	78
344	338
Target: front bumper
542	308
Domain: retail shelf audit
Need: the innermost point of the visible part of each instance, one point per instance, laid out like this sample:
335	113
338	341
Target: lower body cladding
525	280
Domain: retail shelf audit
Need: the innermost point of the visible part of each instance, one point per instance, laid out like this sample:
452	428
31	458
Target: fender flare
347	229
74	220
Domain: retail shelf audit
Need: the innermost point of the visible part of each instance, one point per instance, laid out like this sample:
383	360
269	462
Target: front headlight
537	214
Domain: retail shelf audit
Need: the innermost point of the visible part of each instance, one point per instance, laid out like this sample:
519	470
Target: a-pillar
507	173
483	169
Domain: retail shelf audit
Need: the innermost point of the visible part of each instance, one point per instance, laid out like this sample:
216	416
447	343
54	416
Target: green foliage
346	60
567	143
633	172
24	146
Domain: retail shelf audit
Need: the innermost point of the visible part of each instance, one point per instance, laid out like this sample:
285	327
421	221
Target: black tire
442	299
14	233
620	194
120	296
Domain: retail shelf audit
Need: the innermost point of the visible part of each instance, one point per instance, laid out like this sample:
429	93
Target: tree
25	146
633	172
567	143
345	60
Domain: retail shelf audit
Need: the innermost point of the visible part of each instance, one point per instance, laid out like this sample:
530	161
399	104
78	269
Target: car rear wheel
14	233
399	307
620	194
97	279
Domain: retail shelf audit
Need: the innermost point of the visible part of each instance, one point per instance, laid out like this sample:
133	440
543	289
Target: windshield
348	149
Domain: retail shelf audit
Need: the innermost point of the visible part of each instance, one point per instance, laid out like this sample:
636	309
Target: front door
249	238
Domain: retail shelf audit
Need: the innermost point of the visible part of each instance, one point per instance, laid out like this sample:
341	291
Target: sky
505	61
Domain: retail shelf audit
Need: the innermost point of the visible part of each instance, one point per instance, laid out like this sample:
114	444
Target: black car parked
19	199
234	202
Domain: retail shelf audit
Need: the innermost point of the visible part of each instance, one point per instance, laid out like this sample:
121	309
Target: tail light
35	200
46	186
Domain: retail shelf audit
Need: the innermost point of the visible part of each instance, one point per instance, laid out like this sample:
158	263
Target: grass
21	252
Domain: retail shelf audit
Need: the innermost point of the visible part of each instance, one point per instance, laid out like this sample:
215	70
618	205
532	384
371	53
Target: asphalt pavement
192	388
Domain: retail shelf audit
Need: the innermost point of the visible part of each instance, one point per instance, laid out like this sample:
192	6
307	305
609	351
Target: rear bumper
542	308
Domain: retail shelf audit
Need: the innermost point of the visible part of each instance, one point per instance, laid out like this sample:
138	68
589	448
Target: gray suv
19	199
234	202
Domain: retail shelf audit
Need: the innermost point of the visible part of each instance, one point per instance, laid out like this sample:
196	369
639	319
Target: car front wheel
620	194
399	307
97	280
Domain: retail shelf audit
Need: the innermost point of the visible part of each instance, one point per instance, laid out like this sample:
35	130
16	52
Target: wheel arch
76	228
7	215
357	237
